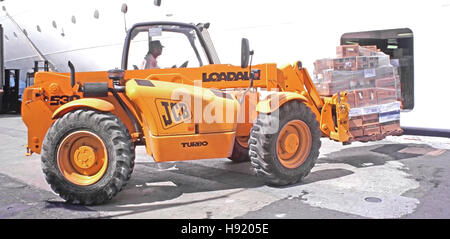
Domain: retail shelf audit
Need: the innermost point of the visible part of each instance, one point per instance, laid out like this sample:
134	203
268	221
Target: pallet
375	137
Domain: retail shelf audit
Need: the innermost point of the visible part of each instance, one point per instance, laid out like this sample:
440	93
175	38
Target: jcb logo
173	113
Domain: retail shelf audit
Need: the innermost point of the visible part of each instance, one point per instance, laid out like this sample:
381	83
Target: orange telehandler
86	125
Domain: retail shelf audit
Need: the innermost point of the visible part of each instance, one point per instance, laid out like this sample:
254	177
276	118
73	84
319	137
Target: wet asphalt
406	177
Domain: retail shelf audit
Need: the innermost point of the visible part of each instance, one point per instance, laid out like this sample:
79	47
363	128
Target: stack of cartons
373	88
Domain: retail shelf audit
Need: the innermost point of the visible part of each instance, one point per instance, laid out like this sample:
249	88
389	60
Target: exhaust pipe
72	74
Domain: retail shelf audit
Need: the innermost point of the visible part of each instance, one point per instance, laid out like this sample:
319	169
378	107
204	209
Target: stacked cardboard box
373	88
375	122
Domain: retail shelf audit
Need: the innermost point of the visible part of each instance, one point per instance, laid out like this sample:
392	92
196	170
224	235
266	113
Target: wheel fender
96	104
277	99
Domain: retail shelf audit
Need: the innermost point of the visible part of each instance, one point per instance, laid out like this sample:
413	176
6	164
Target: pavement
398	177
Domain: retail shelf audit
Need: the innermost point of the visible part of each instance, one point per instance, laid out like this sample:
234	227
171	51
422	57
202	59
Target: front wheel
88	156
285	153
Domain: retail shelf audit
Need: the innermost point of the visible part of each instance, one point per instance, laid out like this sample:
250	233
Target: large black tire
240	153
118	146
263	146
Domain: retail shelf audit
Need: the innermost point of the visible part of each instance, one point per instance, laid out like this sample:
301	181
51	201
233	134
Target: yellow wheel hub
82	158
294	144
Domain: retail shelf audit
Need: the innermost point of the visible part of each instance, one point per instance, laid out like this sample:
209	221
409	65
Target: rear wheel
88	156
289	151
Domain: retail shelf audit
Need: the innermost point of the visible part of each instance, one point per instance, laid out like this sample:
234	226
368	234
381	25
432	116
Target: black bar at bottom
426	131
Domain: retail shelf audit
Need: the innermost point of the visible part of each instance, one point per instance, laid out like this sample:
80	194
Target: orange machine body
184	113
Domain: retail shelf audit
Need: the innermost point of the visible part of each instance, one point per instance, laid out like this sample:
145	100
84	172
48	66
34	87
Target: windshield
165	46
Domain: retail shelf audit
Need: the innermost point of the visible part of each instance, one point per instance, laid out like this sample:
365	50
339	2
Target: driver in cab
154	51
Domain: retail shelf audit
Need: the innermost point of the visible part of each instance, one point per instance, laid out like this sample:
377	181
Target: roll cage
177	27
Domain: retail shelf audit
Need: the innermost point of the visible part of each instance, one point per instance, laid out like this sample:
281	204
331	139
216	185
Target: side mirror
245	53
124	8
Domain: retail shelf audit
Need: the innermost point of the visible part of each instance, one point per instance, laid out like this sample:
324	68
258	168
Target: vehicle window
180	46
12	82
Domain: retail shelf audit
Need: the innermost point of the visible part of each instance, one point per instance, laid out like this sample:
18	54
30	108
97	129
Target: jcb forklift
9	84
10	102
86	125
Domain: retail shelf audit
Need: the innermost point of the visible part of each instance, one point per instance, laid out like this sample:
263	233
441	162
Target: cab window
180	48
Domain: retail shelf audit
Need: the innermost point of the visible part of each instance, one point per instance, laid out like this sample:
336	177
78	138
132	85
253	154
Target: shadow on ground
375	155
153	184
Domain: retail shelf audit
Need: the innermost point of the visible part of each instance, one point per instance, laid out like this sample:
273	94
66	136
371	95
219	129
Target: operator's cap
154	44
